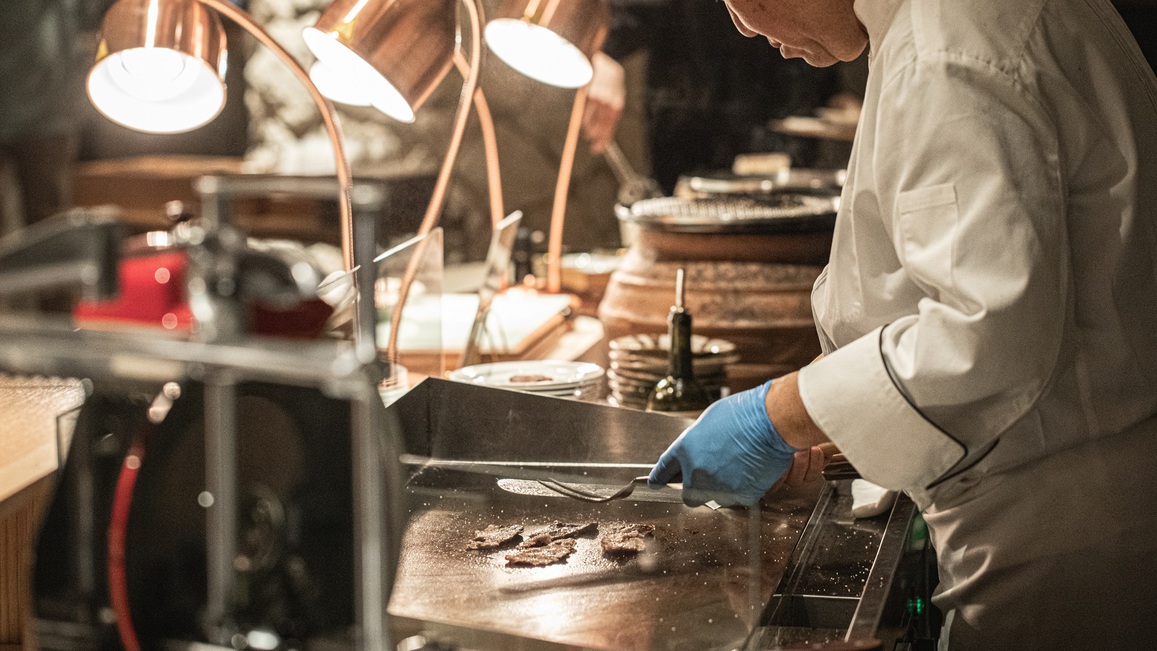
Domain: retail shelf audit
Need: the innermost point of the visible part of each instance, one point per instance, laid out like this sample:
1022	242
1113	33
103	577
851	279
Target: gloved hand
732	454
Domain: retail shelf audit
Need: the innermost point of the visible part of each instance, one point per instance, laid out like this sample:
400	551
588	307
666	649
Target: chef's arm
972	201
785	408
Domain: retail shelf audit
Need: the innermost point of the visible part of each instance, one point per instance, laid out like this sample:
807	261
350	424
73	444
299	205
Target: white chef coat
990	307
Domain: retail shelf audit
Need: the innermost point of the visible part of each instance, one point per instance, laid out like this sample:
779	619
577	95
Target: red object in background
303	321
118	585
152	295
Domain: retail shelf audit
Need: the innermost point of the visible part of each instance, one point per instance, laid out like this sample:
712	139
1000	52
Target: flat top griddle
703	585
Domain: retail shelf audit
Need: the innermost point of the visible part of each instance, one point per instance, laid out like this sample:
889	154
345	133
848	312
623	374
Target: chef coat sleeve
967	175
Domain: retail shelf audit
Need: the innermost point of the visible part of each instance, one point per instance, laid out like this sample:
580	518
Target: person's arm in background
605	101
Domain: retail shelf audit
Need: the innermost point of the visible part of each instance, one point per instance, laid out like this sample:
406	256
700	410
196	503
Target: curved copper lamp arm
561	188
489	145
438	199
333	129
434	210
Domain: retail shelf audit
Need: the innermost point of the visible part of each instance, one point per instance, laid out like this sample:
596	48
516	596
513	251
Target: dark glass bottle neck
679	358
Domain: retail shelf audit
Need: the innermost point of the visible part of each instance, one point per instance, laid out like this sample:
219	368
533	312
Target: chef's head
820	32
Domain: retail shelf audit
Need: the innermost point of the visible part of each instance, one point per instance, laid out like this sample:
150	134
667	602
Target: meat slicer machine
233	491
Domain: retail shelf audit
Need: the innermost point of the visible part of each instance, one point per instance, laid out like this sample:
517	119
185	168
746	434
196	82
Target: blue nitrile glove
732	454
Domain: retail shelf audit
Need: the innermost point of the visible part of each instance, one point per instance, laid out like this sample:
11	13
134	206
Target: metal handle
632	185
620	166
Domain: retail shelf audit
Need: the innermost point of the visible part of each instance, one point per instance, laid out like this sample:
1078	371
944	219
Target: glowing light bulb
538	53
153	74
156	90
337	87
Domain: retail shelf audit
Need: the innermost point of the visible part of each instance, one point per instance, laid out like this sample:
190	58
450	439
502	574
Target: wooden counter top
37	416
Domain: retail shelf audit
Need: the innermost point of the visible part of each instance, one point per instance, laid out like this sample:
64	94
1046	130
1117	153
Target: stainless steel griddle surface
702	587
699	590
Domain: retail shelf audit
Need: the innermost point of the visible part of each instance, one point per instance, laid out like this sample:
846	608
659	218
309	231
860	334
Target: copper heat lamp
160	66
553	41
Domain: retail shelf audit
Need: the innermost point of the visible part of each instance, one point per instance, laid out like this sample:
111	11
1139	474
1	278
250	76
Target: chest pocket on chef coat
927	232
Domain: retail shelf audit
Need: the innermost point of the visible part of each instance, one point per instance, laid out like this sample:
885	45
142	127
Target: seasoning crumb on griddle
626	538
557	531
551	553
494	536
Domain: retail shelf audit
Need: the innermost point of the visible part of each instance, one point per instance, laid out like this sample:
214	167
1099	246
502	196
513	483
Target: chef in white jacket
988	315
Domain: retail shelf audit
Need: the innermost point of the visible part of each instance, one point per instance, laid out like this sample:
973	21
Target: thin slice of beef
525	379
494	536
626	538
548	554
557	531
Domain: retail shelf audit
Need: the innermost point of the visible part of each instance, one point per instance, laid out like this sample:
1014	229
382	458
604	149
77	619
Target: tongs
836	468
584	495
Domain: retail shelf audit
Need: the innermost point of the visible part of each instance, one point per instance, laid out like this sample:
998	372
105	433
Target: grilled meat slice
626	538
557	531
526	379
494	536
548	554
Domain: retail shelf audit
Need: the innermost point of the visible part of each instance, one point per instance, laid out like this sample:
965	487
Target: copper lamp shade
396	51
160	66
551	41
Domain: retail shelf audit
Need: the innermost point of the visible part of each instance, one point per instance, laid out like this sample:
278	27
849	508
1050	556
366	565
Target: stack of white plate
578	380
638	362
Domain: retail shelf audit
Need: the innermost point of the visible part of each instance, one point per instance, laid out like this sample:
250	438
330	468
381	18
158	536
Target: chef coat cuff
851	397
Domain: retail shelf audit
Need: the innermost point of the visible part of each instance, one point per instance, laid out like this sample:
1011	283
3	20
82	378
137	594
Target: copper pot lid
779	212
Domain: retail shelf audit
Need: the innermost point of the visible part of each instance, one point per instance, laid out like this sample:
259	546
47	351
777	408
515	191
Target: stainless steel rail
840	576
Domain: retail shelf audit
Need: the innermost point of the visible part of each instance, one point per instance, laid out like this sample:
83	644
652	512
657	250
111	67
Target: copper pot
746	281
